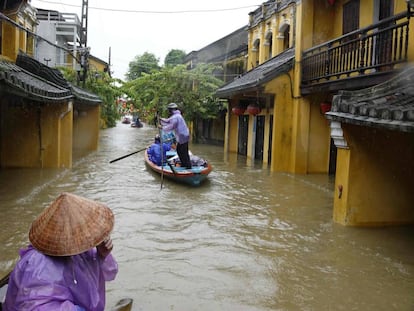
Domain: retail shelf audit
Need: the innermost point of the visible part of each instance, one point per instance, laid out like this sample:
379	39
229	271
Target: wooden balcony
359	59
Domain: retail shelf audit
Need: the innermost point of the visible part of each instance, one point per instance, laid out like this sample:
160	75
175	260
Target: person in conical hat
68	260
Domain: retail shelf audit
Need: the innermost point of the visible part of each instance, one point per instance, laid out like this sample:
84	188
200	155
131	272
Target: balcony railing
371	50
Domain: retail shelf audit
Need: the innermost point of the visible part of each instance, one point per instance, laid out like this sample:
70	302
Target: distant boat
194	176
126	119
137	123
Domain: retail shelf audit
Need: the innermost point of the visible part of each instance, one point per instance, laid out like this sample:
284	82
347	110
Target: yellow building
302	55
40	123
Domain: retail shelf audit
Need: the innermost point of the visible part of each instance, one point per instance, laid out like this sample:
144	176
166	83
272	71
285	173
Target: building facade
42	116
318	98
230	54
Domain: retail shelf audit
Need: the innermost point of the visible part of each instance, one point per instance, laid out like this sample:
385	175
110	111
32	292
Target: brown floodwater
247	239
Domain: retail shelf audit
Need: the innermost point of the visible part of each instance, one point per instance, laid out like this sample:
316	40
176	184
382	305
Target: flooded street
247	239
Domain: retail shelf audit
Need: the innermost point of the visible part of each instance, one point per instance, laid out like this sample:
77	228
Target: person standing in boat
157	153
68	261
176	123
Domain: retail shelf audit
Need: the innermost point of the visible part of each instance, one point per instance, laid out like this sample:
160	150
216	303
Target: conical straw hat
71	225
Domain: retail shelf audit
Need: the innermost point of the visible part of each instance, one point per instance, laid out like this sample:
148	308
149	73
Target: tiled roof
37	68
225	48
259	75
32	79
85	97
18	81
388	105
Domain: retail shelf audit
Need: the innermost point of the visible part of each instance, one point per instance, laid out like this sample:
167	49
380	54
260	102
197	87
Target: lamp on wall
238	111
253	109
325	107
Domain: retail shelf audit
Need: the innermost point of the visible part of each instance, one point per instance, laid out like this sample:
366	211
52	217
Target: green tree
104	86
174	57
192	89
145	63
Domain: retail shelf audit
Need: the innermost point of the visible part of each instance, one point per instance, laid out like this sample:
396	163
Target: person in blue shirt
177	124
157	153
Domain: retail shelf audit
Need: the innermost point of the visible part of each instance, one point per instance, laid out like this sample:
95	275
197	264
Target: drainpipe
39	124
39	120
63	114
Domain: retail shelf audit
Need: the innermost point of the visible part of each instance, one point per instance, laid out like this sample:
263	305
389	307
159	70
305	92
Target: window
256	53
350	22
269	45
384	42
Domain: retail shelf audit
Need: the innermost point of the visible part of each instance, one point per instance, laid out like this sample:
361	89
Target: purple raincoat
177	123
39	282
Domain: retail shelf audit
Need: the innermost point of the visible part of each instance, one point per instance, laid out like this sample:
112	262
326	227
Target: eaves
260	75
389	105
20	82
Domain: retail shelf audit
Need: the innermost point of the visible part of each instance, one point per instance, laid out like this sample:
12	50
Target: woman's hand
105	247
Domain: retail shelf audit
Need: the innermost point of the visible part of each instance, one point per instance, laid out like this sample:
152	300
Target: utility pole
84	41
109	62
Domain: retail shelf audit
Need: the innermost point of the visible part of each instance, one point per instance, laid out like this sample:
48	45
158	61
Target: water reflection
248	239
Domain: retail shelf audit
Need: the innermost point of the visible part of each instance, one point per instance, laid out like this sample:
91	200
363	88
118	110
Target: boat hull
193	177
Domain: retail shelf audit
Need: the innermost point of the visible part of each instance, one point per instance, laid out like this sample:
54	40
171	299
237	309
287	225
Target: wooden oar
5	280
123	305
125	156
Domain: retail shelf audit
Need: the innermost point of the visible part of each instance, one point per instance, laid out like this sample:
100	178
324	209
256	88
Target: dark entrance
243	132
259	142
270	139
332	158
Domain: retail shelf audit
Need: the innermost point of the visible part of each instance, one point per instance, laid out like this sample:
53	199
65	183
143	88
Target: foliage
174	57
145	63
193	90
103	85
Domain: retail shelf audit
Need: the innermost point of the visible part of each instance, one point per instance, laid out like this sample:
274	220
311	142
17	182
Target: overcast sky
133	27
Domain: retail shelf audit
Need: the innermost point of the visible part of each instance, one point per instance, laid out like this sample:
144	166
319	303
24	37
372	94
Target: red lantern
253	109
238	111
331	2
325	107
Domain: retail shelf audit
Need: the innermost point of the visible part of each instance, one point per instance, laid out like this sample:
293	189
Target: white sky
133	27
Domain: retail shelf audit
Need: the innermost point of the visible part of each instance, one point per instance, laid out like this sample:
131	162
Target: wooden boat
124	304
126	120
137	124
194	176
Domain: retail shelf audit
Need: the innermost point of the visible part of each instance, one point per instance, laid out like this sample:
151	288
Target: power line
154	12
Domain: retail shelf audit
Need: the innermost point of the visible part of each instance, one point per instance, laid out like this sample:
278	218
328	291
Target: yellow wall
56	128
96	65
319	140
233	133
282	124
86	129
270	25
10	39
376	174
19	130
35	137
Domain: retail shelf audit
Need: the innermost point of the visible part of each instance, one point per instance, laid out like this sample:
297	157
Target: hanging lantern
325	107
253	109
238	111
331	2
